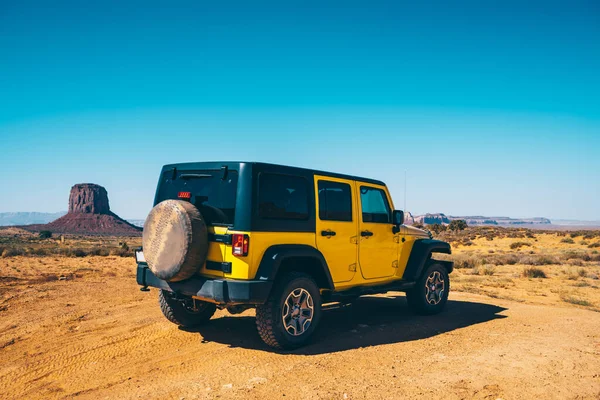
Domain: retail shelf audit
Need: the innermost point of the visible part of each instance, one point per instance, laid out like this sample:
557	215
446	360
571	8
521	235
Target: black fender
421	254
275	256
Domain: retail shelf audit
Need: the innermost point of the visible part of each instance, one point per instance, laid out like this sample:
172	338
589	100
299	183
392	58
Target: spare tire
175	240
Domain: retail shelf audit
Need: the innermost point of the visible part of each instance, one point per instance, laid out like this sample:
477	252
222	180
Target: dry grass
486	262
531	266
518	245
532	272
26	244
567	298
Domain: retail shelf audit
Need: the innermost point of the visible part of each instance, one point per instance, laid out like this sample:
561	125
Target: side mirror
398	217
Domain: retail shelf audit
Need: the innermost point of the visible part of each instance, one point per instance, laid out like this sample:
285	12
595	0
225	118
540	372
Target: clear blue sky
493	107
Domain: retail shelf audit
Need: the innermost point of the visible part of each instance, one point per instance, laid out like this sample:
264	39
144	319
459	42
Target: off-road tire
177	313
269	321
417	296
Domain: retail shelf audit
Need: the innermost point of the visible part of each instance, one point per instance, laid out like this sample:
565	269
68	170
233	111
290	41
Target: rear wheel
291	314
430	294
186	312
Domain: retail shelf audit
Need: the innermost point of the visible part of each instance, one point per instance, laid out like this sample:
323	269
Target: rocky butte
89	214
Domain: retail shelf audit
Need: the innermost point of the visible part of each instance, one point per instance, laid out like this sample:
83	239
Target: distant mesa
89	214
28	218
442	219
430	219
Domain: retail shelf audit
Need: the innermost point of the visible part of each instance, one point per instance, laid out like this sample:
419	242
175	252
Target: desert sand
80	327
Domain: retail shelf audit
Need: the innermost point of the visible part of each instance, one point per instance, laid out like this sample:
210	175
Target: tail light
184	195
240	243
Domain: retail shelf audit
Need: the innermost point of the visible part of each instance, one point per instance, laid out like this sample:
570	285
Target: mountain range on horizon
29	218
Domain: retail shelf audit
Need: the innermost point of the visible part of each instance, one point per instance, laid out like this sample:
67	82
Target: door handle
366	233
327	233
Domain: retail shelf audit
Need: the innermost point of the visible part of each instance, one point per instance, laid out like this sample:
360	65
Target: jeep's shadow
370	321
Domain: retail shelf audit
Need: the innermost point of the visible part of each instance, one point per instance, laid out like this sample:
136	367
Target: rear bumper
220	291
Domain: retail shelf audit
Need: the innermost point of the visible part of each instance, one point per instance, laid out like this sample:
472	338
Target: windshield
212	192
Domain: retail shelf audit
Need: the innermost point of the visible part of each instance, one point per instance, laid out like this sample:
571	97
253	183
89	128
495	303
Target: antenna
405	191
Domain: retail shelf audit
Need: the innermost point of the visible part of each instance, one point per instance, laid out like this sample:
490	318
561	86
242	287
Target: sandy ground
93	334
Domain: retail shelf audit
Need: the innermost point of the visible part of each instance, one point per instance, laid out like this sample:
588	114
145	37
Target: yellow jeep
284	240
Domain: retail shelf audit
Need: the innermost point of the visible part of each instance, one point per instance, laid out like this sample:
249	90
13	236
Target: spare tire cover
175	240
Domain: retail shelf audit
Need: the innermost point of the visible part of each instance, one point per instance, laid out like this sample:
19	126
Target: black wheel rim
435	287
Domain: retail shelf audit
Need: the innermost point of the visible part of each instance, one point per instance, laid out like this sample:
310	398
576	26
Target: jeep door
377	249
337	225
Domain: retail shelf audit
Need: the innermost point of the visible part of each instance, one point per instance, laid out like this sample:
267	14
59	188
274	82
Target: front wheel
430	294
186	312
291	314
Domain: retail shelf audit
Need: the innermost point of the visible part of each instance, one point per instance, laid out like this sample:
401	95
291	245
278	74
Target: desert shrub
124	246
530	235
465	262
11	252
589	235
38	252
509	259
532	272
567	240
518	245
502	259
575	300
437	228
419	226
571	274
63	251
584	243
457	225
99	251
121	252
488	270
581	284
581	272
78	253
576	255
594	245
541	259
45	235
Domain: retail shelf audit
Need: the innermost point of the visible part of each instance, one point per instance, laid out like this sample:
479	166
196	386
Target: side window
282	197
335	201
374	204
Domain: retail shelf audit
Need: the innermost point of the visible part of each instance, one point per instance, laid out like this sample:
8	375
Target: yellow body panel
377	254
353	260
341	250
246	267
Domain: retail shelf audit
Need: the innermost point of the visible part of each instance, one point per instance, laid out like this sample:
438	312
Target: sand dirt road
98	336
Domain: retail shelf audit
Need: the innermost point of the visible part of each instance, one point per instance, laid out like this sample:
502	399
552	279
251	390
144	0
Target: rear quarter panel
246	267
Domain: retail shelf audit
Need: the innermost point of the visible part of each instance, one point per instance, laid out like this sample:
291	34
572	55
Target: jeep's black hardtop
226	192
238	165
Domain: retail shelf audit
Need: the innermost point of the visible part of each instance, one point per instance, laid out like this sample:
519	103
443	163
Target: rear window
282	197
212	192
